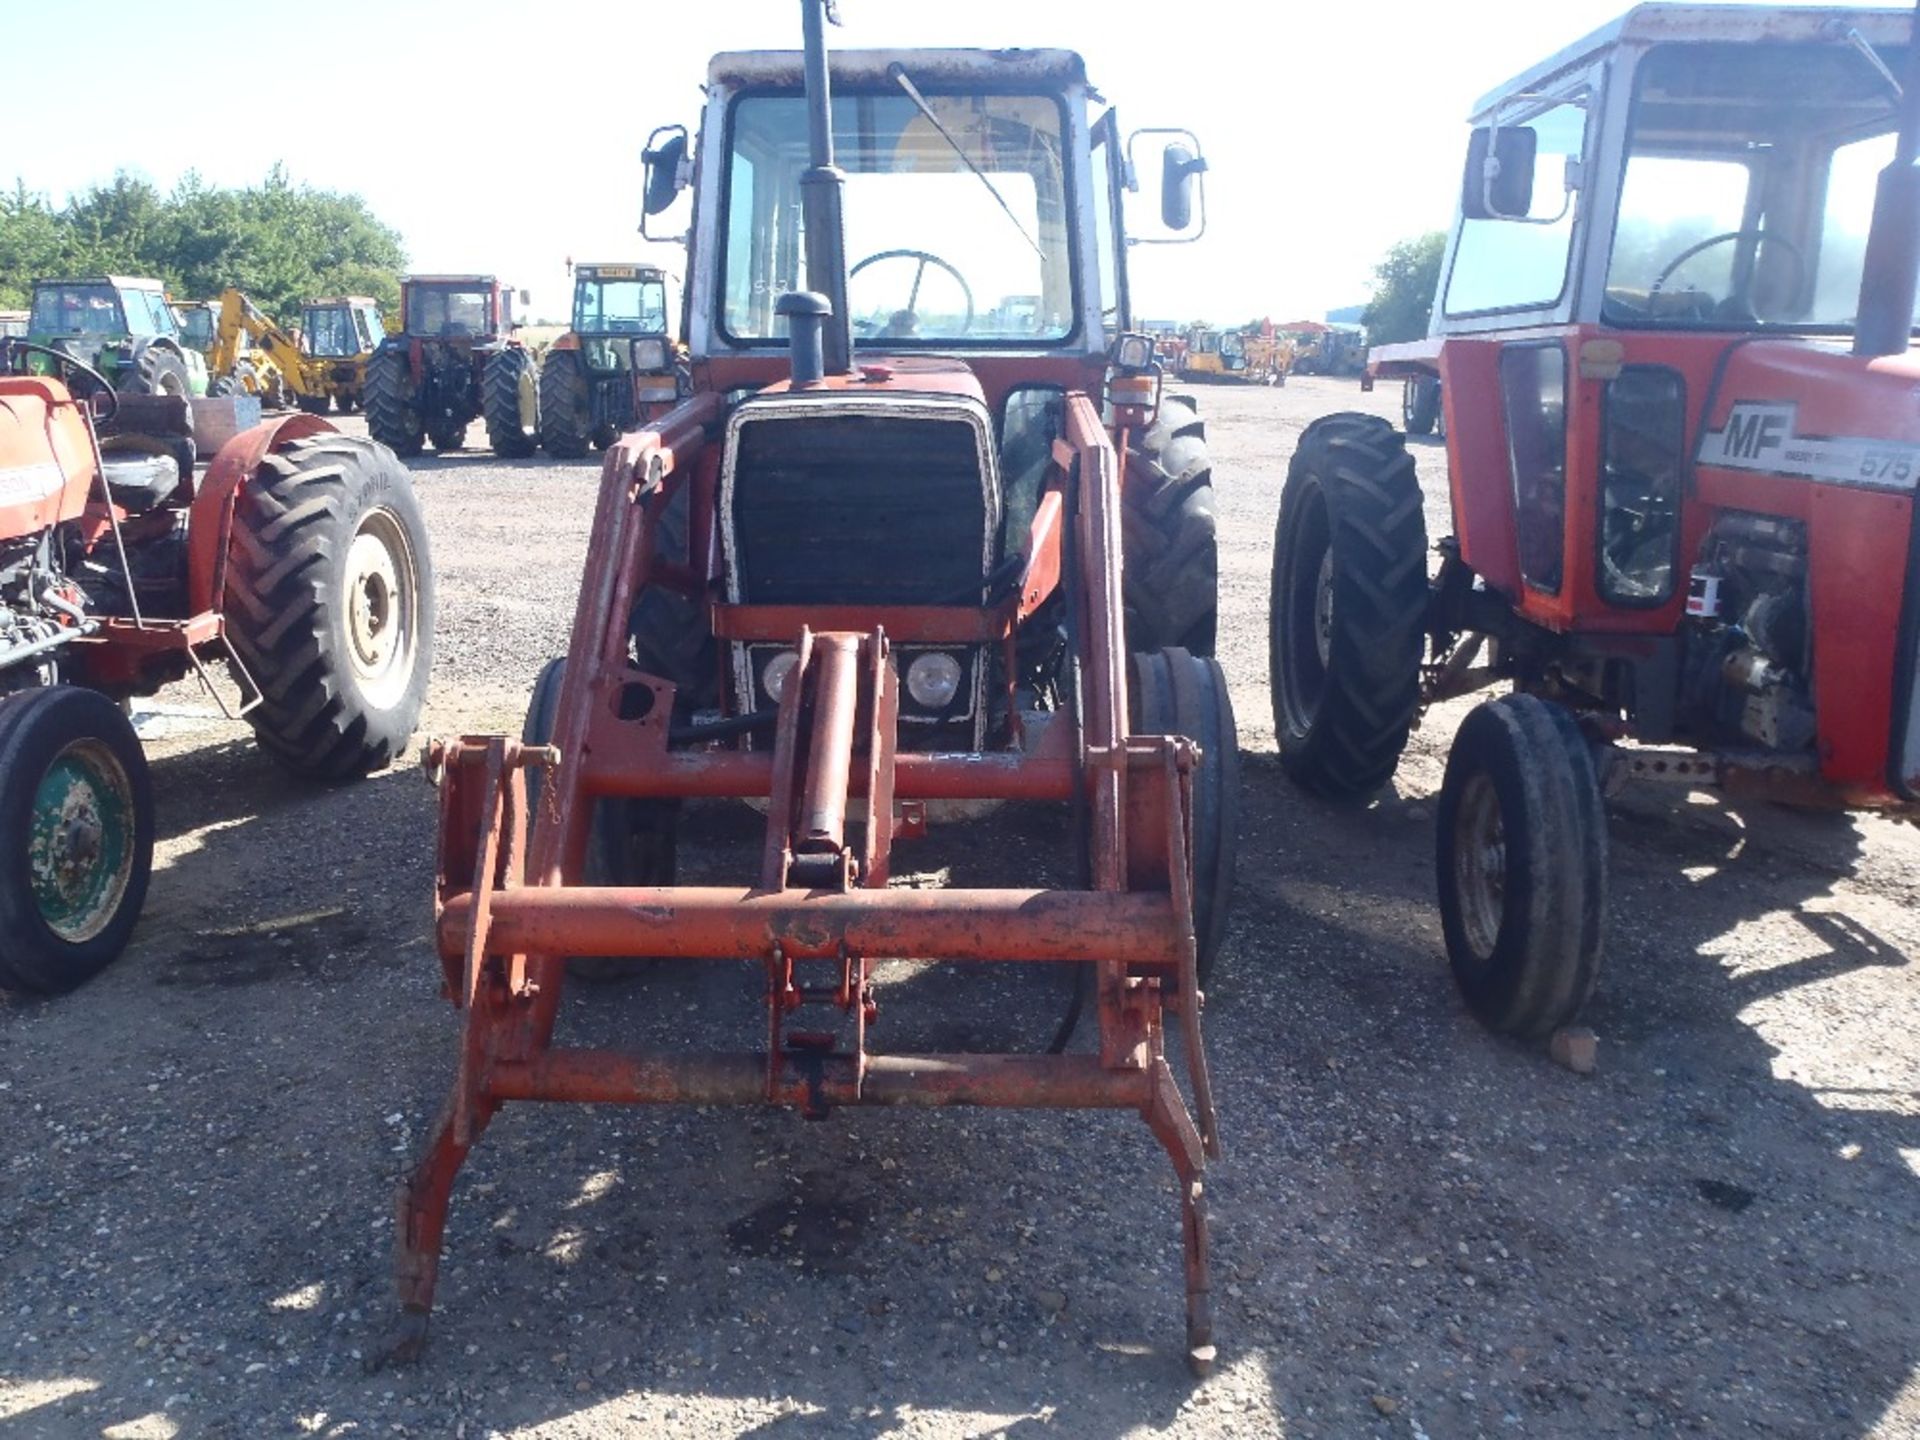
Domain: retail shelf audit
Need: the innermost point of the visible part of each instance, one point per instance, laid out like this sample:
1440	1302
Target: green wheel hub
81	850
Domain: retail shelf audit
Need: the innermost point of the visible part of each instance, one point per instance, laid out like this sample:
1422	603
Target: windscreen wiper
898	73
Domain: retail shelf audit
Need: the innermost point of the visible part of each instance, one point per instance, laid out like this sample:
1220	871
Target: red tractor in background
924	535
1674	340
138	543
454	360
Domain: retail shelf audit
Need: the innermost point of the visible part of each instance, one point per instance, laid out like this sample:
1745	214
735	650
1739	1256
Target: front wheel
1170	550
155	370
1175	693
1522	865
1347	608
76	836
566	406
1420	404
330	605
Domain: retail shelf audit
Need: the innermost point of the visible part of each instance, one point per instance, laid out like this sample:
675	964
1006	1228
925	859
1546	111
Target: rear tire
1176	693
76	836
566	407
330	605
1347	609
393	407
510	402
671	638
1171	566
1521	858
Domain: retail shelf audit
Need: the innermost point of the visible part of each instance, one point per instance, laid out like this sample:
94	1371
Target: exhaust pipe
1891	273
821	190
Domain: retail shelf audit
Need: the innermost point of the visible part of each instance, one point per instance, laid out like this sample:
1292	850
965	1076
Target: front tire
1175	693
510	402
1521	858
393	408
1347	609
330	605
566	406
155	370
1171	565
1420	404
76	836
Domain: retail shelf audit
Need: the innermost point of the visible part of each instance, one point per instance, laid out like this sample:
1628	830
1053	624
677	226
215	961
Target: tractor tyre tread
293	525
500	384
1376	530
393	407
566	406
1170	571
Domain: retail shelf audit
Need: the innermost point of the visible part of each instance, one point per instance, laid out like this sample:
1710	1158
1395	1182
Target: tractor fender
210	521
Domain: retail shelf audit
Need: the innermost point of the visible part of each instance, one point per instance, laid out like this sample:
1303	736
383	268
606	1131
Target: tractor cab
199	322
1673	339
121	326
341	328
455	307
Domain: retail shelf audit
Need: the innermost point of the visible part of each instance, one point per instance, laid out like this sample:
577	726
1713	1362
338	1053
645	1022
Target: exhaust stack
821	190
1884	323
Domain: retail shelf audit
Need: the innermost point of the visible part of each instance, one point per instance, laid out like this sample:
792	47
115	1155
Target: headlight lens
650	355
774	678
933	680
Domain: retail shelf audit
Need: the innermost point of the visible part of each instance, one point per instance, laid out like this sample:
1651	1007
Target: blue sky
505	136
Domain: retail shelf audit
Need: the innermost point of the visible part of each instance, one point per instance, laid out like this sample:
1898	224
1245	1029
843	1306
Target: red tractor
139	543
925	534
454	359
1674	340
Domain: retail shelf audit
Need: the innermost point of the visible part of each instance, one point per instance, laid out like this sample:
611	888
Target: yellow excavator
248	353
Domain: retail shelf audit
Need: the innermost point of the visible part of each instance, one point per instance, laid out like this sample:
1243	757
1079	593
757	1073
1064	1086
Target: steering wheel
1765	236
70	365
910	314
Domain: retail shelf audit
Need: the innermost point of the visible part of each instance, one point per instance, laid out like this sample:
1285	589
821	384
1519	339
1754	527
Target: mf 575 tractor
454	359
925	531
1674	340
615	366
120	327
142	541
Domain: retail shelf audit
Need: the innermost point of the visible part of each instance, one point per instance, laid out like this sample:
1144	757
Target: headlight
650	355
774	678
933	680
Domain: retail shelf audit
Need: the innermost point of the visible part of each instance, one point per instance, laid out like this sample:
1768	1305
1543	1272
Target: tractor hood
1810	412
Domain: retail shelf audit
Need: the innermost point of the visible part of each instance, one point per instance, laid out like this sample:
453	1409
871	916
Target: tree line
281	242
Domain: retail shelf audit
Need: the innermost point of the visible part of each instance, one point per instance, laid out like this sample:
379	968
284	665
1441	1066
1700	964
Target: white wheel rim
382	605
1480	865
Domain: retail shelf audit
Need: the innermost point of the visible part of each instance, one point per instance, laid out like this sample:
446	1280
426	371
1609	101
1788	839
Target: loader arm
240	316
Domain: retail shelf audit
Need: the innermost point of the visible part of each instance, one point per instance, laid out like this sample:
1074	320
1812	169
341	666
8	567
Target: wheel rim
1309	627
529	389
80	850
382	603
1480	865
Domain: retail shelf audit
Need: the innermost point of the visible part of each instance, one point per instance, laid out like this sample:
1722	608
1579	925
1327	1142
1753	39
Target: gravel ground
1420	1230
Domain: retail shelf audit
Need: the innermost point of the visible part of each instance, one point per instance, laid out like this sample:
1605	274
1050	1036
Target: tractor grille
846	508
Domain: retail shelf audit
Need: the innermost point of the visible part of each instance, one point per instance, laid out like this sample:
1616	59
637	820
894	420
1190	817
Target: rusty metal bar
740	774
733	922
998	1081
913	624
822	827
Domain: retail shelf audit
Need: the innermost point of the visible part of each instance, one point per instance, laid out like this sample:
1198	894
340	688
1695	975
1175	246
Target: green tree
281	242
1403	287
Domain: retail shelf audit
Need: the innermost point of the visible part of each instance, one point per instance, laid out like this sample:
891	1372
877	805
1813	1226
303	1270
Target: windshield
1749	186
77	310
447	311
329	331
935	251
603	305
196	325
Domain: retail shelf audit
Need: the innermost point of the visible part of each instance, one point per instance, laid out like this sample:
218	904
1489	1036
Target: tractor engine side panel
46	459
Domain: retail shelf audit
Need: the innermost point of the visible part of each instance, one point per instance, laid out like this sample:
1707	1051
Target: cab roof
345	299
447	279
119	282
1037	69
1681	24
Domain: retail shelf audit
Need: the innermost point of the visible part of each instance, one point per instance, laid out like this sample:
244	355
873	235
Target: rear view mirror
1178	166
1498	184
663	162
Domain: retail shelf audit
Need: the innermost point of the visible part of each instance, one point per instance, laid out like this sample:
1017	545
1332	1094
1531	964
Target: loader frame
510	906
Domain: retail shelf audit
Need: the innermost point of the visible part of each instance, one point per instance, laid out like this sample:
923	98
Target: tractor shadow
1482	1239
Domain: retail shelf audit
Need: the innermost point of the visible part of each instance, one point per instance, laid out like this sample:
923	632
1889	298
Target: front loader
1672	353
910	542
